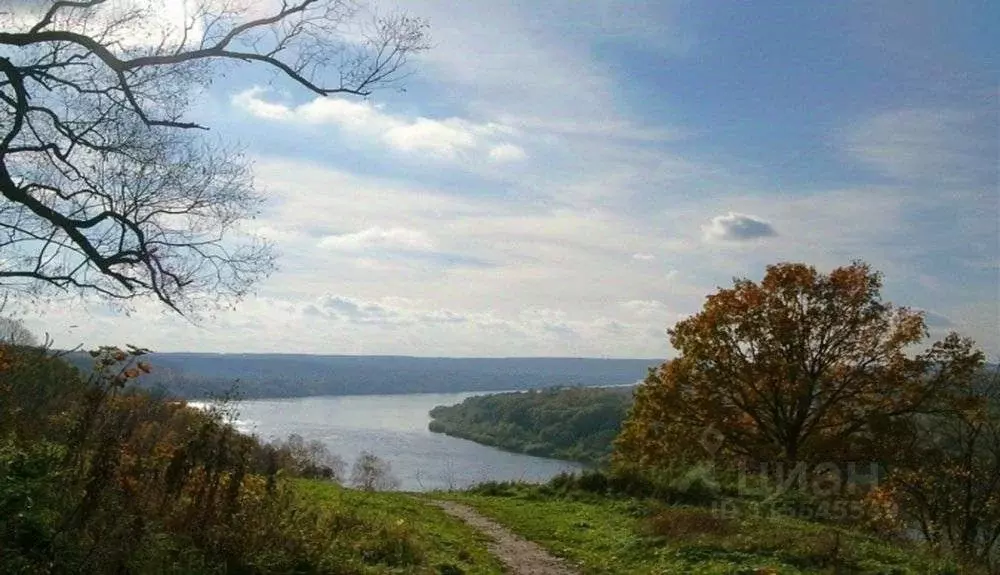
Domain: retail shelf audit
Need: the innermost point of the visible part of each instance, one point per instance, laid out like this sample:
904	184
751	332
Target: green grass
611	536
390	524
404	533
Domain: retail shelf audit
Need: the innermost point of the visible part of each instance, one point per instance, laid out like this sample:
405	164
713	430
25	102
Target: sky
572	177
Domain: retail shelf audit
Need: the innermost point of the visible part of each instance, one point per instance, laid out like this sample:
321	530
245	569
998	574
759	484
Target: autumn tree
802	366
107	186
945	474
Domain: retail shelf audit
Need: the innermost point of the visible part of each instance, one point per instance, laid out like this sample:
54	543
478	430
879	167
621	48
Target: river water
394	428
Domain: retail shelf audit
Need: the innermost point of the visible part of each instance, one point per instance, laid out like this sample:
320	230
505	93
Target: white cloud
946	146
337	323
249	101
507	153
528	67
566	243
735	227
123	24
510	66
612	129
492	261
562	280
448	139
379	238
445	138
387	312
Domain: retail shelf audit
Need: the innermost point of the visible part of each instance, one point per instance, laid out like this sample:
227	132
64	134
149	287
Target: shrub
494	489
594	481
391	546
563	481
29	483
687	522
97	476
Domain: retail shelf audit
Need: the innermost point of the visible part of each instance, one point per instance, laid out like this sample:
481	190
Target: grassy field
620	536
404	533
399	533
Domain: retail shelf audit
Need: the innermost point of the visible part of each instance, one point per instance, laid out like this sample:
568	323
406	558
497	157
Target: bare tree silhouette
106	186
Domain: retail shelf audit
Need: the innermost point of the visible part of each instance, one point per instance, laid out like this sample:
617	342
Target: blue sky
571	178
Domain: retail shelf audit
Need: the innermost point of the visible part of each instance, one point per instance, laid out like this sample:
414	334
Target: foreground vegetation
607	533
99	477
814	372
419	538
108	191
803	377
577	424
738	456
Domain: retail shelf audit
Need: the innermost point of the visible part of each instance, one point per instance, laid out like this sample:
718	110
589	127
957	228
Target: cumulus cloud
379	239
575	227
249	102
448	139
735	227
539	256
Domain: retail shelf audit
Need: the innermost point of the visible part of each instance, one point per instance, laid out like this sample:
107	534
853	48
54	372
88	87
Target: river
394	428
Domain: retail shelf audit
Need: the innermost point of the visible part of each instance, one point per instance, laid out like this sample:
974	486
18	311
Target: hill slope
577	424
196	375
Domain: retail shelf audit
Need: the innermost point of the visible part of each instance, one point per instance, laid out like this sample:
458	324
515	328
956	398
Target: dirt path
521	556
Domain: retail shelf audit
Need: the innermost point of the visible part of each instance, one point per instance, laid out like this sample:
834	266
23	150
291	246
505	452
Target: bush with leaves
946	478
112	479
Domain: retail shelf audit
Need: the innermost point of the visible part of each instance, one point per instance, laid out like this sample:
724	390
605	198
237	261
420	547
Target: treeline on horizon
199	376
575	424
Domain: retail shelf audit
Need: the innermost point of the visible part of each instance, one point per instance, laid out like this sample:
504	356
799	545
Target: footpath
521	556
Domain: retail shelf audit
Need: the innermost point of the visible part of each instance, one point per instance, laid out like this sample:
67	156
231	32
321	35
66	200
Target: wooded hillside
577	424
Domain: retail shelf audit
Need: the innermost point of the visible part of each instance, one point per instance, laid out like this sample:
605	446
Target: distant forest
203	375
576	424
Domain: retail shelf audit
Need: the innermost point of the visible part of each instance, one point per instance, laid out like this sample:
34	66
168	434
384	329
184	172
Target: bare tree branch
104	186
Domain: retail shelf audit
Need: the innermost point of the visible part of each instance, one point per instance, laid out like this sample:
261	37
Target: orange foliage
802	366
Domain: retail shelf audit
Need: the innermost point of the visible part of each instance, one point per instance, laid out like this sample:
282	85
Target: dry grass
682	523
